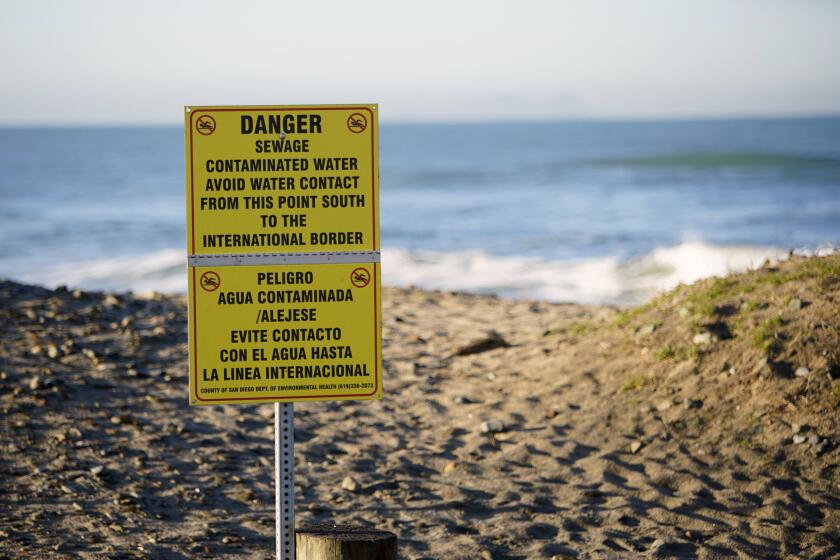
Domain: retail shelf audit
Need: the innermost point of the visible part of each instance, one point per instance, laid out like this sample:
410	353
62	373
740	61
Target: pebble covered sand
701	425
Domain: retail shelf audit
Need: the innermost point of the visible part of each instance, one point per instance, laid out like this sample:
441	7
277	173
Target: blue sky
111	62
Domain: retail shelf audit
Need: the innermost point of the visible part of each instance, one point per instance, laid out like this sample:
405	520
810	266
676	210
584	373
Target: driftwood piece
490	341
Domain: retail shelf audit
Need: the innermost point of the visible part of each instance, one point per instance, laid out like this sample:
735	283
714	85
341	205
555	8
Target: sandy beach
700	425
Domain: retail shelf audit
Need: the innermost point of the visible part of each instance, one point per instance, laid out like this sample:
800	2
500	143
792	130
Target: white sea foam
162	271
594	280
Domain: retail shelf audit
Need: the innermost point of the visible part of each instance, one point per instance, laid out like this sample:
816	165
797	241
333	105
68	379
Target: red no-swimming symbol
360	277
210	281
205	125
357	123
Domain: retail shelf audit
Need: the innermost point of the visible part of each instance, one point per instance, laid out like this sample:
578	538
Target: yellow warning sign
282	179
292	332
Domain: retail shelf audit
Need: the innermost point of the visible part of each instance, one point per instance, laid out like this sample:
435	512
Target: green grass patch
749	307
824	270
773	278
746	444
575	327
765	336
635	382
664	353
690	352
623	317
578	328
705	302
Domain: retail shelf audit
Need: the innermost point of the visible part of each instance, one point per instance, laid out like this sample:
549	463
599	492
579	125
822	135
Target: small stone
702	338
463	399
52	351
77	294
647	330
664	405
35	383
112	301
795	304
635	446
486	555
796	428
35	350
797	439
693	404
349	484
814	439
244	495
116	419
802	372
404	367
69	489
450	466
493	426
820	448
97	470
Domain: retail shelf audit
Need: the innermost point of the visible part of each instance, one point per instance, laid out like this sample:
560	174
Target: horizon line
467	121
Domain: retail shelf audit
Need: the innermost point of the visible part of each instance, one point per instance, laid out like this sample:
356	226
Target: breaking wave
593	280
599	280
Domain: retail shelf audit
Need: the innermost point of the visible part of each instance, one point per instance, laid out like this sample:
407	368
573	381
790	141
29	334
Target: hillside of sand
703	424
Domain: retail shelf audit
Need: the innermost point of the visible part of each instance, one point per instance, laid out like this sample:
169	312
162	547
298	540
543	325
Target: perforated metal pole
284	479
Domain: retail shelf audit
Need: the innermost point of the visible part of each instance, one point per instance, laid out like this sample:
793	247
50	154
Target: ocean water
596	212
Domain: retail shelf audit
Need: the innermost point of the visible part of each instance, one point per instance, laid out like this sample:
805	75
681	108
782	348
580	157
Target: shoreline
682	427
591	280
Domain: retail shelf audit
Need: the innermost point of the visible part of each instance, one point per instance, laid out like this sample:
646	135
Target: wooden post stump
343	542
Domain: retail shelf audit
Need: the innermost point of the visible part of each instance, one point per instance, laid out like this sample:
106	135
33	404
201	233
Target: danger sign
297	332
283	249
282	179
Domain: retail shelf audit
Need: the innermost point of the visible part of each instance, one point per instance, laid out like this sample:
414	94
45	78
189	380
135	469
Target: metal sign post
284	479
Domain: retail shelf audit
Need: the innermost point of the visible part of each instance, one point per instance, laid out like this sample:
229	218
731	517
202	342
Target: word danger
275	124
